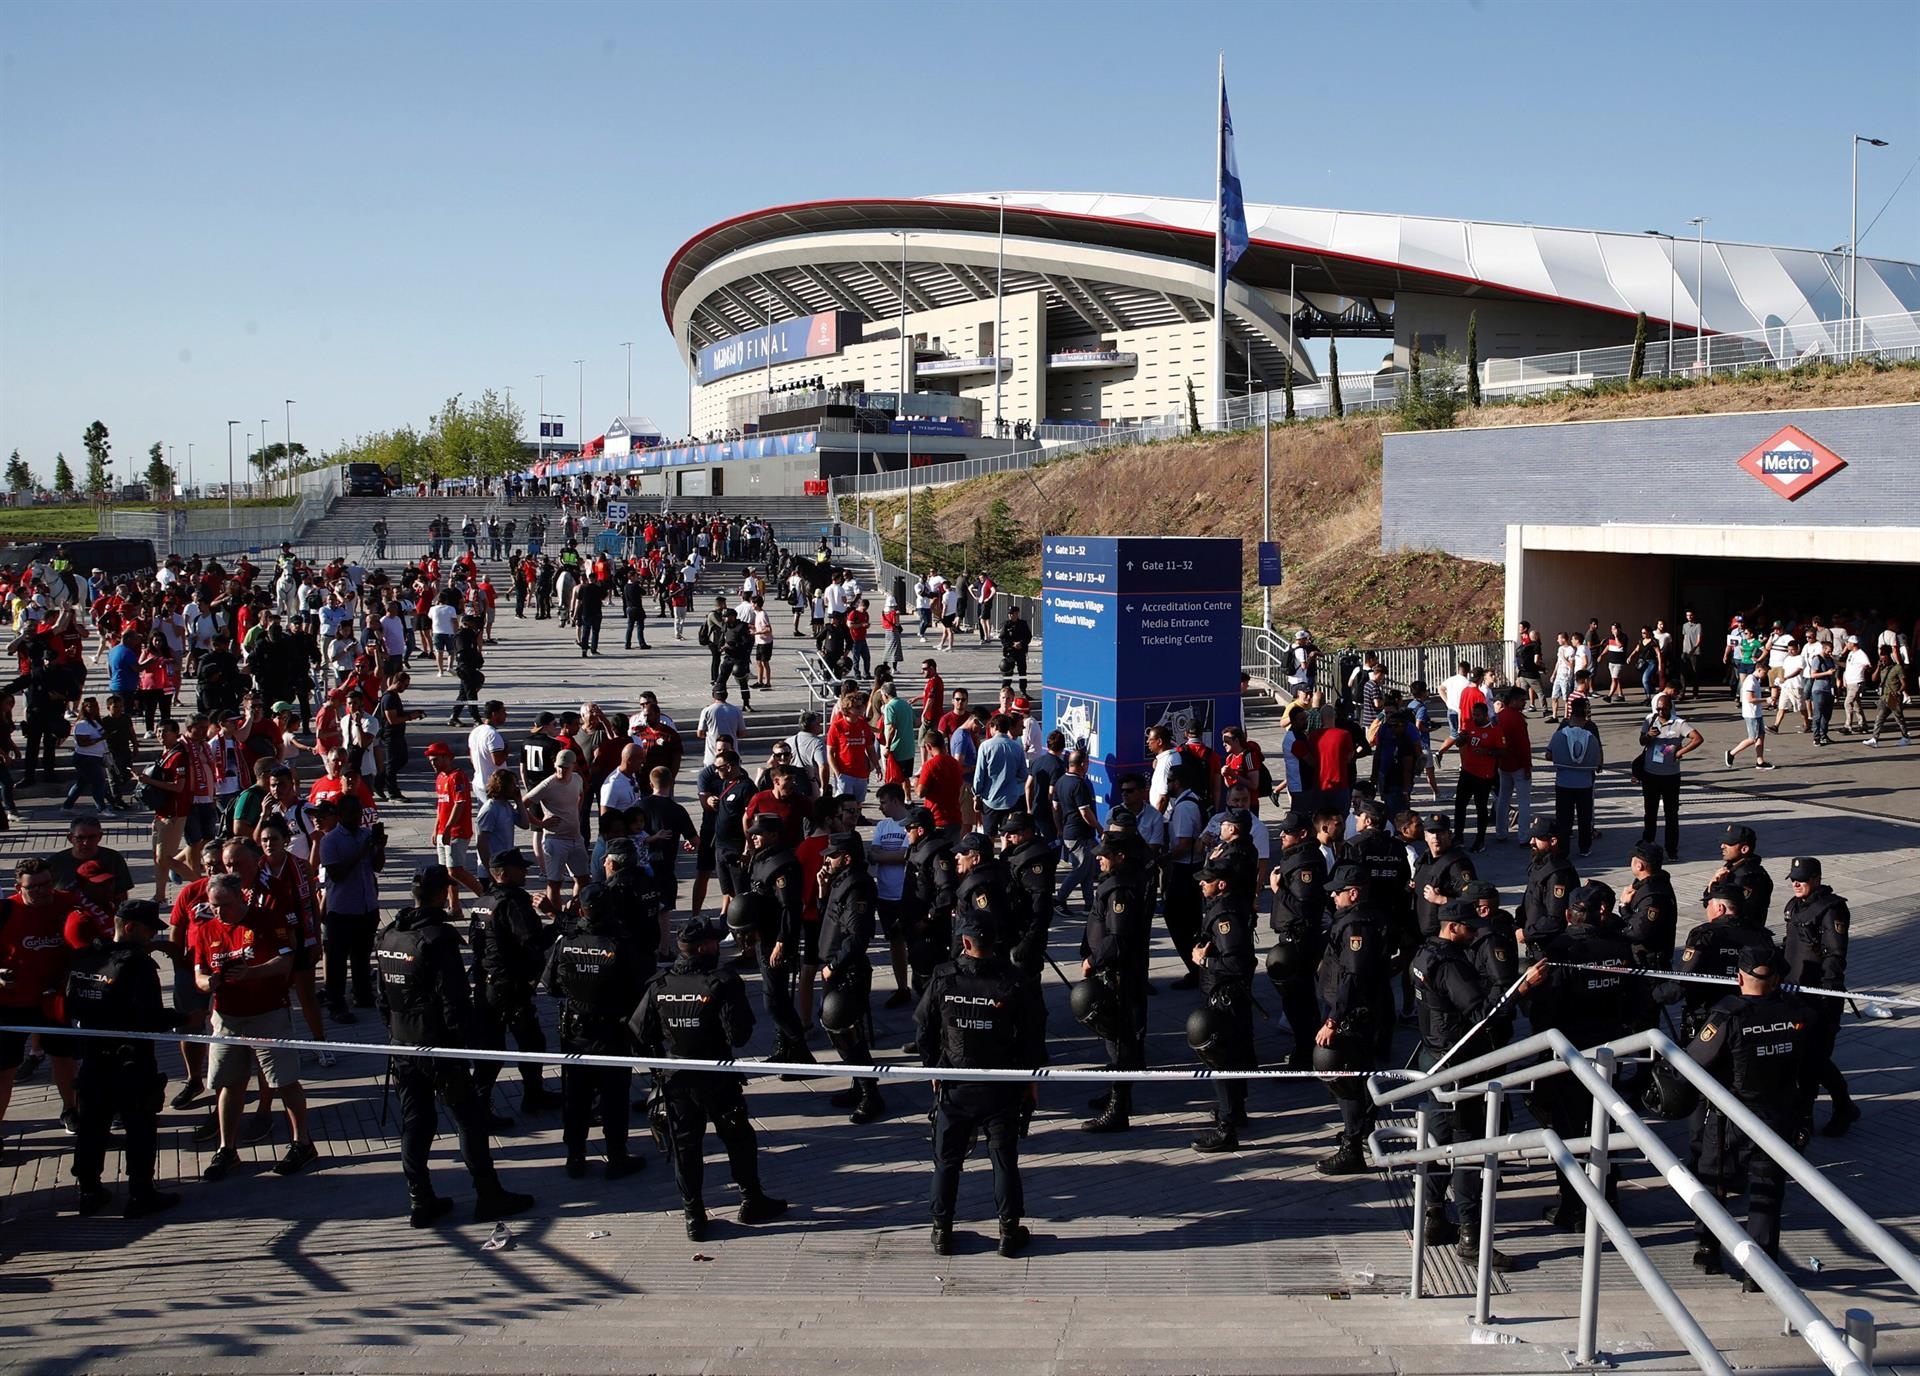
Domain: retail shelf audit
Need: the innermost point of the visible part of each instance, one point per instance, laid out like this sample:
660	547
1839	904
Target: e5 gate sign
1138	632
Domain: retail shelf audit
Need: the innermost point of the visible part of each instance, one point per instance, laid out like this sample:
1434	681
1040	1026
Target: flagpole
1219	252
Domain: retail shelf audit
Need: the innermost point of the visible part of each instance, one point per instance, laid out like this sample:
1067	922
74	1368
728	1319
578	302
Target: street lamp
1673	288
1853	241
628	346
230	425
1699	283
580	440
540	440
289	446
264	468
188	486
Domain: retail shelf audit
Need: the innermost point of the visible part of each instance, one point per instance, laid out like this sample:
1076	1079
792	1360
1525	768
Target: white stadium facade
840	336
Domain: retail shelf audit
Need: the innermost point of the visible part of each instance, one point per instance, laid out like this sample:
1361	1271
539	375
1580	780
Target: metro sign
1792	462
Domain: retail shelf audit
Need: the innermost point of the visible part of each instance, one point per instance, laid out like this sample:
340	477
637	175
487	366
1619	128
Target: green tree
476	439
1473	358
1413	367
1639	363
1288	375
1334	400
98	451
159	474
62	475
1193	409
19	476
1431	396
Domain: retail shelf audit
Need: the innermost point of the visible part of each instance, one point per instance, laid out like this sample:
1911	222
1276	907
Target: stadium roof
1348	265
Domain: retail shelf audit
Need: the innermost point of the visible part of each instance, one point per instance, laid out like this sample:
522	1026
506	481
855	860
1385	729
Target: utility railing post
1423	1132
1489	1187
1587	1347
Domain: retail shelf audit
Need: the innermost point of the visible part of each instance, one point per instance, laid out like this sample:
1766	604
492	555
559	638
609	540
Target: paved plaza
1148	1257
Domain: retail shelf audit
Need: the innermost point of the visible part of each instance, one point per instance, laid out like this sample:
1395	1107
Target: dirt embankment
1326	504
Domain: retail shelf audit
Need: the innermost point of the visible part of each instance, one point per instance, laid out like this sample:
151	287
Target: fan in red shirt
1241	763
285	877
931	692
783	801
1200	753
938	786
850	748
1480	743
40	928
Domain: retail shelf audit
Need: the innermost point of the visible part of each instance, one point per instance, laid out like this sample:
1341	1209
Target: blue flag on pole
1232	229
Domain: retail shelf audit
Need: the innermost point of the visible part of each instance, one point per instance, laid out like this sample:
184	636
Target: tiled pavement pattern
1148	1257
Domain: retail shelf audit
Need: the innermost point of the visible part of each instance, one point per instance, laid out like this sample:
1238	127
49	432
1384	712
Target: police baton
386	1084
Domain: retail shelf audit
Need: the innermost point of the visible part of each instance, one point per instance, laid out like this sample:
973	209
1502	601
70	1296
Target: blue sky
210	208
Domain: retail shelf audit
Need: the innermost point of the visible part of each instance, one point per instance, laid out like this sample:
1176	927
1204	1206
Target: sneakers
762	1208
491	1208
220	1164
1764	765
299	1156
327	1059
70	1122
1729	759
189	1092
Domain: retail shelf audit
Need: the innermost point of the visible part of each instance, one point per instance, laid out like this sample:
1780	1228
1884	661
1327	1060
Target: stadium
858	335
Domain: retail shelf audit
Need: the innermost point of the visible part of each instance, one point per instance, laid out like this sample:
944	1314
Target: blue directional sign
1138	632
1270	570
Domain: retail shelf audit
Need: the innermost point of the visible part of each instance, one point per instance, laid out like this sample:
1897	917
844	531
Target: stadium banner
786	341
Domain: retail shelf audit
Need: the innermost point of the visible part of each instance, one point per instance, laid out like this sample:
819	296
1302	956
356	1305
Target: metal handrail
1460	1082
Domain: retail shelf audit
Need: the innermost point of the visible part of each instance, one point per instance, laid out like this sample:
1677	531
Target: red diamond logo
1792	462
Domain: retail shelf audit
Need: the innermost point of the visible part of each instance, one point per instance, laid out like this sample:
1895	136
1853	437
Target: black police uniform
1815	952
1650	920
1451	995
115	985
1755	1045
1382	858
696	1011
1032	864
1241	861
1298	917
1448	872
929	893
1590	1007
776	873
847	916
1496	961
509	949
979	1013
599	973
985	894
1350	987
1117	946
1551	880
422	990
1750	877
1712	948
1226	982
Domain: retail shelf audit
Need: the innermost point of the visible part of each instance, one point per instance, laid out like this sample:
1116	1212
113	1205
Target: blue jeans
1822	704
1079	855
89	776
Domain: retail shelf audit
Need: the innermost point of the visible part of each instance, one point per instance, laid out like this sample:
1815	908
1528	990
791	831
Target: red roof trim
666	279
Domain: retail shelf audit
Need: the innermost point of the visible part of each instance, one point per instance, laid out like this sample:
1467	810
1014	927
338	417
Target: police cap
1738	835
765	824
1016	821
1122	819
1592	897
1294	823
1240	817
512	858
141	912
973	843
846	843
1759	960
1476	889
1650	855
1112	851
1213	872
1462	911
430	877
697	931
923	818
1805	869
1438	822
1727	891
968	923
1346	877
1373	810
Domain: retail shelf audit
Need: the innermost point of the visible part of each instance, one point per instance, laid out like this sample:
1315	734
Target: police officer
774	874
1495	958
929	895
598	971
1299	883
115	985
1111	999
1032	862
984	889
421	987
1589	1006
1236	851
979	1013
696	1011
1648	908
1220	1030
1816	954
1712	948
1382	859
1551	880
1753	1042
1350	986
1740	866
1451	997
509	950
1440	875
847	914
633	894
